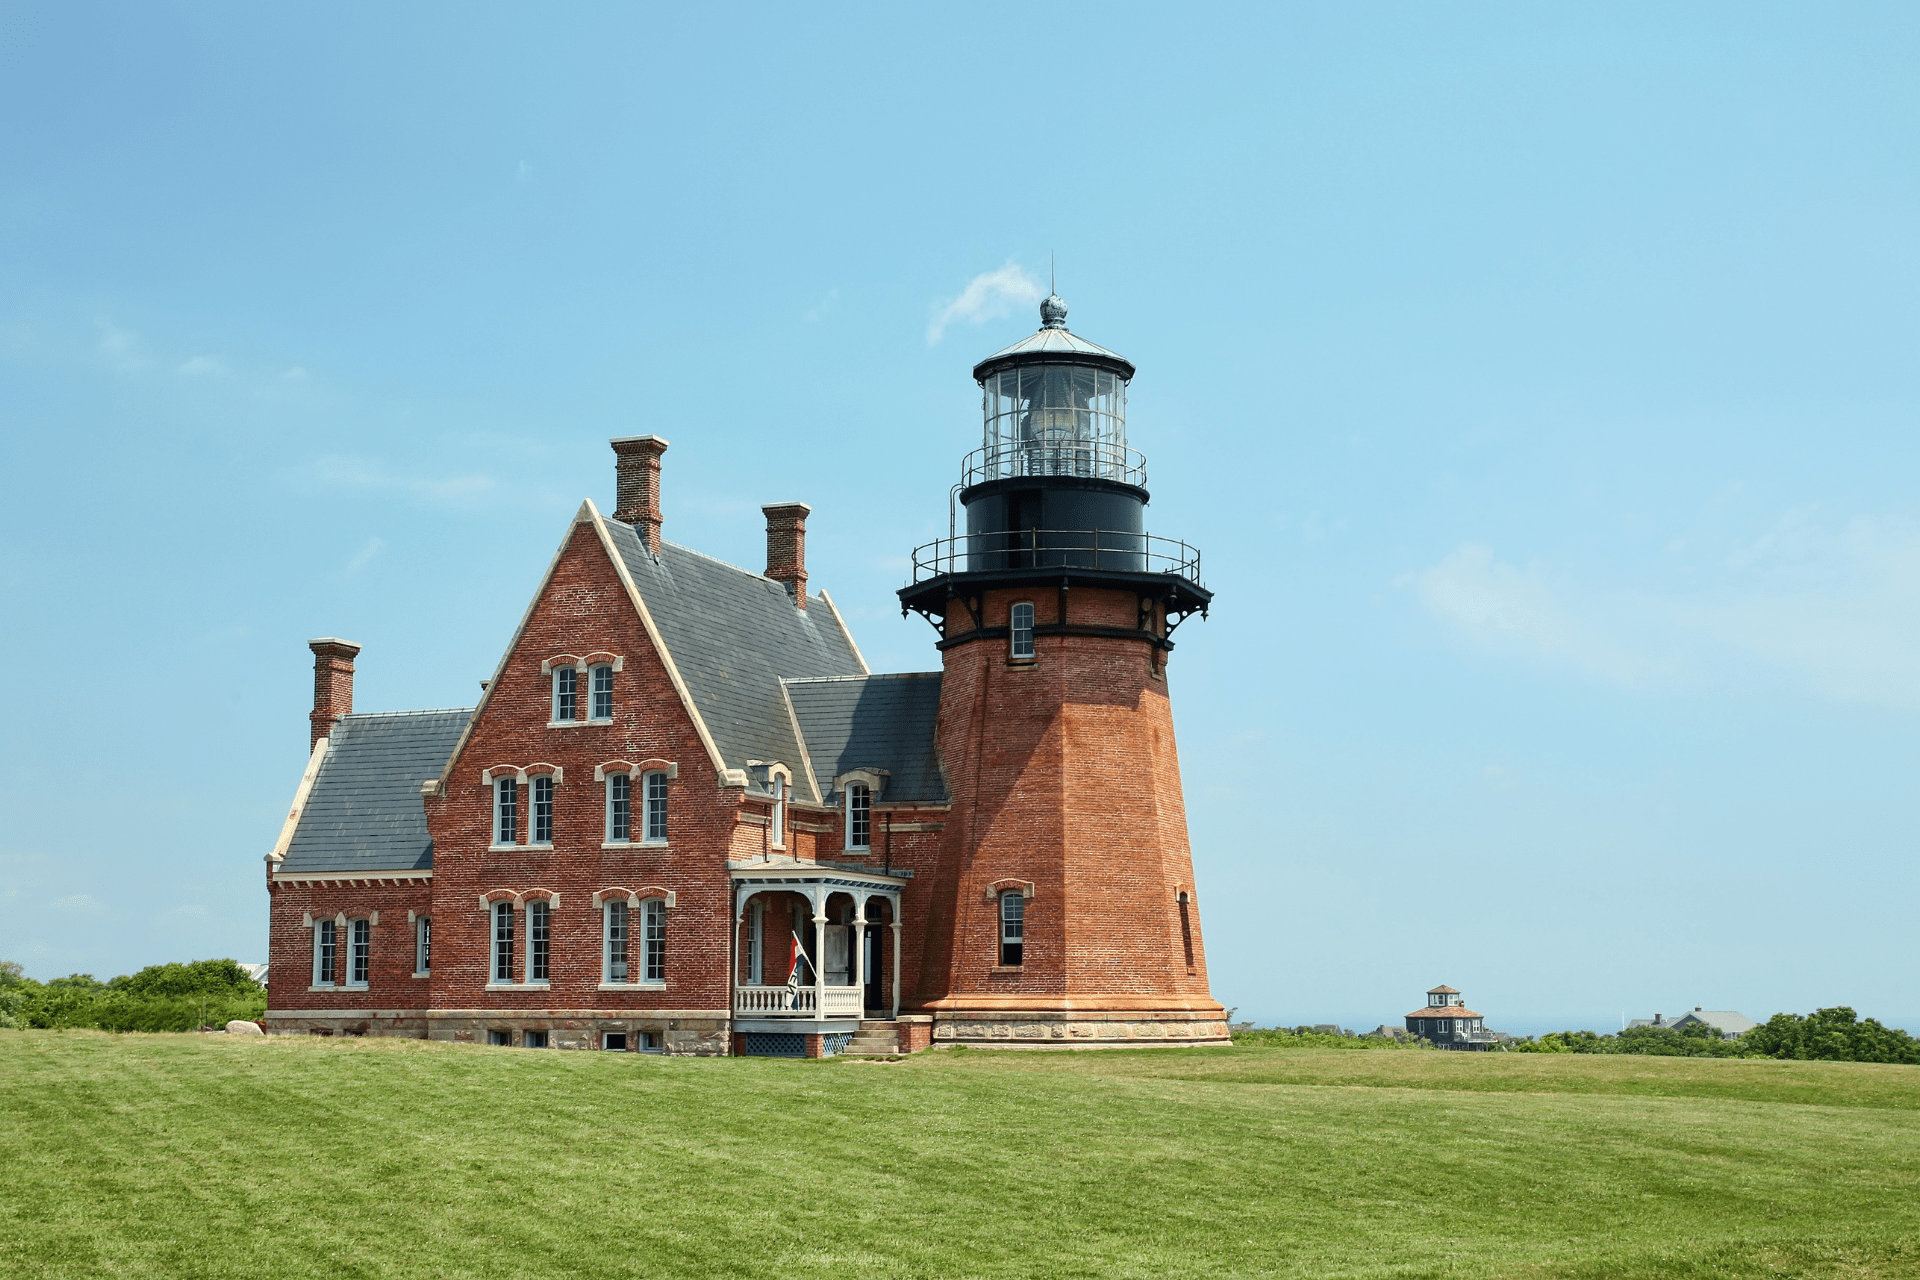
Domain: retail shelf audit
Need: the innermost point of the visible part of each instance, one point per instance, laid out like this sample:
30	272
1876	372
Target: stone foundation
683	1033
1090	1029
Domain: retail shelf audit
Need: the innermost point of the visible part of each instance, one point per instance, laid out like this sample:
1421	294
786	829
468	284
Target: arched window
1020	629
653	940
619	808
614	924
324	946
506	810
542	808
656	800
1013	926
503	942
566	693
859	816
602	692
539	914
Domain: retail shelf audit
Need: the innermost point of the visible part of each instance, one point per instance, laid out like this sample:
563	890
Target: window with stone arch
653	940
859	815
503	932
325	952
1013	927
600	678
615	936
654	828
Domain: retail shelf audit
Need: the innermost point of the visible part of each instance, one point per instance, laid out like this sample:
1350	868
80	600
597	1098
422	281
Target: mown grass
208	1156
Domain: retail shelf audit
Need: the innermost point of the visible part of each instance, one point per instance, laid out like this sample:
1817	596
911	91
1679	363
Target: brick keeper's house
682	774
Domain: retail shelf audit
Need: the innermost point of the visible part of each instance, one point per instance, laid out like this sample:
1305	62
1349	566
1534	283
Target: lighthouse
1061	907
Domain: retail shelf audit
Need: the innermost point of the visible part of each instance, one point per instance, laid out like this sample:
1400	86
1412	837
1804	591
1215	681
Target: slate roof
364	812
873	722
735	635
1444	1011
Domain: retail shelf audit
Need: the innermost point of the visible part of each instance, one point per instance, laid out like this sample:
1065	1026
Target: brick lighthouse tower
1061	909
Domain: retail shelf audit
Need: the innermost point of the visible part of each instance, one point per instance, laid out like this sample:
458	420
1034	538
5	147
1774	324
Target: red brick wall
1064	774
585	609
290	944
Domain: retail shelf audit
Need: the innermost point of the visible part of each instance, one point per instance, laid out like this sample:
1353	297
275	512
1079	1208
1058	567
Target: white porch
838	971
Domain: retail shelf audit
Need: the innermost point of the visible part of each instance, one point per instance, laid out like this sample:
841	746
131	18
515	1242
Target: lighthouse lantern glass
1056	419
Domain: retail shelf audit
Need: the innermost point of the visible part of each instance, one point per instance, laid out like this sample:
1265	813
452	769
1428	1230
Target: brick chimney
787	547
639	486
332	684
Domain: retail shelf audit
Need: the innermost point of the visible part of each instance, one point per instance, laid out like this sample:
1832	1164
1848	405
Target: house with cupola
1446	1022
684	817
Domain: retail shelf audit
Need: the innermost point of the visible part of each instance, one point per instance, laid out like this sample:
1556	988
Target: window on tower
1020	629
1013	927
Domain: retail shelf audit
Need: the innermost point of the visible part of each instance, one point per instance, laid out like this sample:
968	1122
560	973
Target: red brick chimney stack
332	684
639	486
787	547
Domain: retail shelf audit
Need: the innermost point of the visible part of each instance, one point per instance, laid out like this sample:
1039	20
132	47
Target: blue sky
1538	382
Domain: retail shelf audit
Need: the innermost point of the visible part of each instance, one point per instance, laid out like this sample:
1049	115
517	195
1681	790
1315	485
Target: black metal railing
1093	459
1111	549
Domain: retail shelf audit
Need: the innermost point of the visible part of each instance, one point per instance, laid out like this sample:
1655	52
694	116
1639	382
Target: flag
793	973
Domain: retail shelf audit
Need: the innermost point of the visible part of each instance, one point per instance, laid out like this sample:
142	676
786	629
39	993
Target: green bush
1831	1035
162	997
1307	1038
1665	1042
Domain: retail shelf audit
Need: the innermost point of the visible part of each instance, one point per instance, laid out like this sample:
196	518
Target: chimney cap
773	508
333	642
659	440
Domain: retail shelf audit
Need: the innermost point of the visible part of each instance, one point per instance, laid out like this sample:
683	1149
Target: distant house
1447	1022
1725	1021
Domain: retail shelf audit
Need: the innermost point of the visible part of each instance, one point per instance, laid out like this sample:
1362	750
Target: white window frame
777	811
626	780
1019	635
503	785
566	695
616	909
422	946
756	941
659	1044
324	969
359	952
527	951
1019	925
859	805
534	787
653	930
600	672
653	807
499	964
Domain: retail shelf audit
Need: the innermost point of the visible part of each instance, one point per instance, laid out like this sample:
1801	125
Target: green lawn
202	1155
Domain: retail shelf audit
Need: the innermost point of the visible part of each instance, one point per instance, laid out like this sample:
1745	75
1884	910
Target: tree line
1825	1035
161	997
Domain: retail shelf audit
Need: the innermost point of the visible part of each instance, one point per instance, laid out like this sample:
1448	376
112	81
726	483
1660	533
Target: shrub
162	997
1307	1038
1831	1035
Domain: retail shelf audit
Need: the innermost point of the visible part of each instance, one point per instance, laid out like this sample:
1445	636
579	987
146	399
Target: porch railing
782	1001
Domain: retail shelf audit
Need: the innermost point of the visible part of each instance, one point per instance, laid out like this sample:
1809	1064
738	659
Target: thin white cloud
121	348
365	555
203	365
360	473
78	902
295	374
1834	609
990	295
1502	607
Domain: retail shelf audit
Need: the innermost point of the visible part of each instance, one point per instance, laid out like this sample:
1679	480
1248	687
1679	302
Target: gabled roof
733	636
1725	1021
364	812
873	722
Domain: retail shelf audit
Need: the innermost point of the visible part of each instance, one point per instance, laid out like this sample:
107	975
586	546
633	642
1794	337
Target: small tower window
566	693
859	816
1020	627
542	809
619	808
777	812
1013	927
603	693
506	810
656	797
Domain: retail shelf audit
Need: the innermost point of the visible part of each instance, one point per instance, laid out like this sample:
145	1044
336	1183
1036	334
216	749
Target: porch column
819	957
896	961
859	957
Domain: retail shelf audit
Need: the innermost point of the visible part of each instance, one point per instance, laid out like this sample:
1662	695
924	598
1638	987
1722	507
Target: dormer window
777	812
566	693
602	681
1020	630
859	816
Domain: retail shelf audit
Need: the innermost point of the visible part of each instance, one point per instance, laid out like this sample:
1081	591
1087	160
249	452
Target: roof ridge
726	564
422	711
871	675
